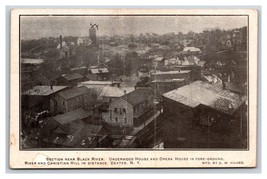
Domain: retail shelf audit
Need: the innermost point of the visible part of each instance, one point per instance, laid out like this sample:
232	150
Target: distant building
65	50
131	110
98	73
69	79
203	115
192	49
172	61
171	75
158	62
164	81
95	84
80	41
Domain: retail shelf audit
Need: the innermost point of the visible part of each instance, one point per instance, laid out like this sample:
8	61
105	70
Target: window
116	119
124	110
125	120
115	110
63	103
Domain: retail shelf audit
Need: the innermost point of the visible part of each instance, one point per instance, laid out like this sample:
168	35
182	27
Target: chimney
60	41
125	91
223	85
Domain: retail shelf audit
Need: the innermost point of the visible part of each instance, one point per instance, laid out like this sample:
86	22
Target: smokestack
60	41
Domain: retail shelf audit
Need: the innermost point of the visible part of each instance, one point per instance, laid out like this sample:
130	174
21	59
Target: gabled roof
72	116
113	91
144	92
74	76
133	98
159	59
74	92
44	90
213	96
191	49
99	70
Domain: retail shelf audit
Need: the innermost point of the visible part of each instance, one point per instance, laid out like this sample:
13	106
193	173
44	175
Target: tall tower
92	32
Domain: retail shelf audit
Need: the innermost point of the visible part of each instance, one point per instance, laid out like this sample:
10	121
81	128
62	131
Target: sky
34	27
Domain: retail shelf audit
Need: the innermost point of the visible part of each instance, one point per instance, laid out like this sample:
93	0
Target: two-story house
130	110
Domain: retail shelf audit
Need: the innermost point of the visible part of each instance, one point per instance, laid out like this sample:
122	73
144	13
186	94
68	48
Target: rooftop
191	49
171	72
133	98
159	59
168	80
207	94
71	116
110	91
96	83
31	61
99	70
44	90
72	76
73	92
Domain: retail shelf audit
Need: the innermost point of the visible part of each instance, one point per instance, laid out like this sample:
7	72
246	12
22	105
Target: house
69	79
75	98
192	49
98	73
203	115
158	62
41	98
69	130
130	110
80	41
172	61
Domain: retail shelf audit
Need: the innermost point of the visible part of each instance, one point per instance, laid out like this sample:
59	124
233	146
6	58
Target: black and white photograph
134	82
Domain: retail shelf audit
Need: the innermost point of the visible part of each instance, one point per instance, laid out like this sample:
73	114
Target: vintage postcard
133	88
